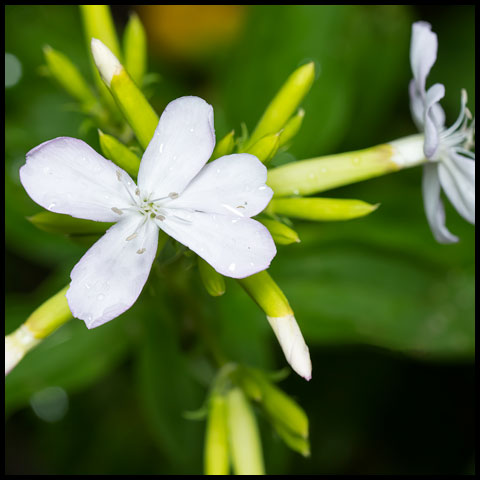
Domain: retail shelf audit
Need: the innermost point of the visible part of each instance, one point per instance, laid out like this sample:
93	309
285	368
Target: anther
173	195
131	237
117	211
160	217
141	251
137	192
119	175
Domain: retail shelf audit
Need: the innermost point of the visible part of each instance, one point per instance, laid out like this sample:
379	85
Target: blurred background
387	312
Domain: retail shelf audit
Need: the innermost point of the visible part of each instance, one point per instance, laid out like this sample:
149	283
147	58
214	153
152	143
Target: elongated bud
284	104
292	127
281	234
69	77
67	225
98	23
324	209
265	148
245	443
216	453
42	322
131	101
119	154
135	49
225	146
280	407
315	175
214	282
295	442
267	294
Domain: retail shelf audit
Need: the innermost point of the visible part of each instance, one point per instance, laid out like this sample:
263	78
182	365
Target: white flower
450	164
205	207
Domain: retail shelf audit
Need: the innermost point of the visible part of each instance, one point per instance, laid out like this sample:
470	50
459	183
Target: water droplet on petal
100	297
161	148
232	267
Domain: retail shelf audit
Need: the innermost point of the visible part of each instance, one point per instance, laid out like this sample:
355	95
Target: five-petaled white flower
450	164
205	207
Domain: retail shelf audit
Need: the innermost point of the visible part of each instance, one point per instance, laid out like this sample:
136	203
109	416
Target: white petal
293	345
417	105
432	129
423	52
433	204
457	177
182	144
110	276
233	246
65	175
231	185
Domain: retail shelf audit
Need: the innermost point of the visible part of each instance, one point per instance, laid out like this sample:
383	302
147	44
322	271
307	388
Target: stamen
173	195
135	233
461	116
160	217
117	211
119	175
137	192
141	250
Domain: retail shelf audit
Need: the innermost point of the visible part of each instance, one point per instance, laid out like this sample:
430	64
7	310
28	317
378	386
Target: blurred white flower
451	164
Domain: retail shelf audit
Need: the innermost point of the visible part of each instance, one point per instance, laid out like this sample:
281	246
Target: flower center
151	209
460	136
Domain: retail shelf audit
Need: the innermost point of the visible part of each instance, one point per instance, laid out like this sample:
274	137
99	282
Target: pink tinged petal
110	276
181	145
433	204
432	129
65	175
233	185
457	177
235	247
423	53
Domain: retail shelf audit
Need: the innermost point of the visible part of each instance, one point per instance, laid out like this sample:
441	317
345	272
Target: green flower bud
65	224
119	154
225	146
98	23
69	77
131	101
291	128
135	49
267	294
265	148
245	443
212	280
325	209
281	234
286	101
216	455
295	442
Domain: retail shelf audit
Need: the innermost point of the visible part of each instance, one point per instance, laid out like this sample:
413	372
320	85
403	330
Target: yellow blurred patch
191	32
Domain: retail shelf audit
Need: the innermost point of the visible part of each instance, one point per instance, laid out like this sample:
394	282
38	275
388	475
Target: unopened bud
324	209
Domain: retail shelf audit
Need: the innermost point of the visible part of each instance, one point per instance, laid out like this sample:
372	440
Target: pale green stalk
216	452
245	443
315	175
